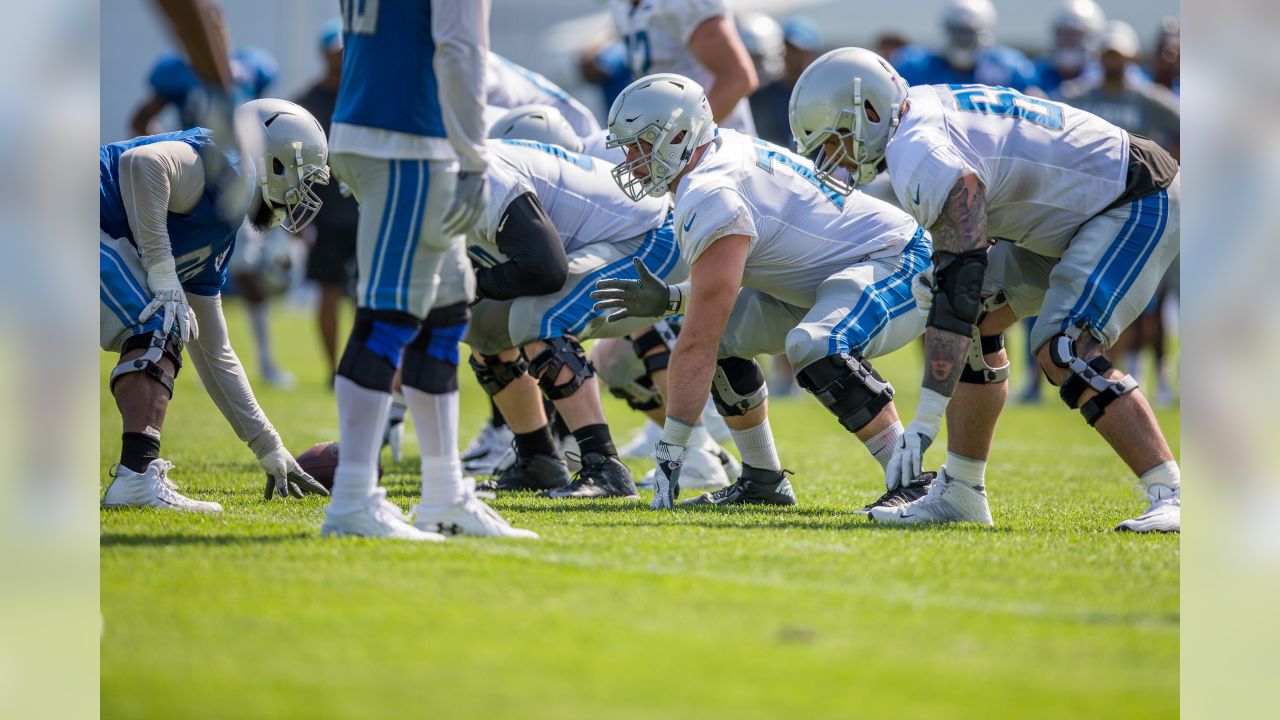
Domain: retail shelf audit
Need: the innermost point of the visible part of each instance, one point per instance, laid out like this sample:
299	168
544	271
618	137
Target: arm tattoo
960	227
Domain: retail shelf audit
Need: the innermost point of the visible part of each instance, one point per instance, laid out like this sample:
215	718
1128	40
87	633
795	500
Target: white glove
922	289
905	465
666	485
468	203
167	296
284	477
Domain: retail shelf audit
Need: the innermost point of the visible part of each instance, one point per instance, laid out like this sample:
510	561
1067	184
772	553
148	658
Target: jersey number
638	55
1010	103
190	264
767	153
360	16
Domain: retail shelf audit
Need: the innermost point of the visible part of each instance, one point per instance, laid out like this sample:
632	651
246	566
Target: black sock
496	418
137	450
595	439
538	442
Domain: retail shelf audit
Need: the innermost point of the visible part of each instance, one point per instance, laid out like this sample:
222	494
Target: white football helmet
671	114
540	123
970	26
853	95
1076	27
290	153
763	38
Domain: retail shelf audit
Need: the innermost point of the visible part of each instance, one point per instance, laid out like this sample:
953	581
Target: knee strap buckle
734	373
661	335
1087	375
849	387
561	352
496	374
158	346
977	371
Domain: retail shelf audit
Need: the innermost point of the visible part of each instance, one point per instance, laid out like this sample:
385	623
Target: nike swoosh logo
904	516
917	198
502	224
632	119
690	223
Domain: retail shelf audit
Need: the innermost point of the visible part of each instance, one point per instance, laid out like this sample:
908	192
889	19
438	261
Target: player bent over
777	262
163	254
555	222
1091	215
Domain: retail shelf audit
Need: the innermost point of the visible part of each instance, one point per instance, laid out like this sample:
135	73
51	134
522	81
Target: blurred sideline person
331	263
1165	61
778	263
970	54
408	139
801	42
1090	218
1075	29
163	251
604	64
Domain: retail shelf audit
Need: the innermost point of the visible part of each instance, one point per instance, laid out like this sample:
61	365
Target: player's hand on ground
905	465
647	297
284	477
168	298
666	485
468	203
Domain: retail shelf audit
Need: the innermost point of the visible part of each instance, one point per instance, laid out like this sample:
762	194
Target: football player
970	53
778	263
408	139
1090	214
508	85
163	252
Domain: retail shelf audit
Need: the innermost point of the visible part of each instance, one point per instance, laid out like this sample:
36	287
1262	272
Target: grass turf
622	612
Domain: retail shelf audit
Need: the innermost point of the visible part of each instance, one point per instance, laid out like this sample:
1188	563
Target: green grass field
621	612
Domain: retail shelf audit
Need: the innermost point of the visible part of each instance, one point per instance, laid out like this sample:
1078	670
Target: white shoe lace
168	488
477	507
1173	499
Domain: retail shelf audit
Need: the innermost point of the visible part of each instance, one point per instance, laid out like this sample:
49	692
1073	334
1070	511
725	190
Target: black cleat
754	487
600	477
904	495
539	472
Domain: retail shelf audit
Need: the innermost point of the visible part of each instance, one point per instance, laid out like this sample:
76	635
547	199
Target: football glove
905	465
647	297
284	476
468	203
168	298
666	482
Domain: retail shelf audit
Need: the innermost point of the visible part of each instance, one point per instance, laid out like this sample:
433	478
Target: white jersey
657	35
1047	167
577	191
509	85
801	232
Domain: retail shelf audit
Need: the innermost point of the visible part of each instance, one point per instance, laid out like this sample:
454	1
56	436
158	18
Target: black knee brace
957	294
640	394
849	387
496	373
977	371
158	346
561	352
661	335
375	346
431	359
1085	375
738	386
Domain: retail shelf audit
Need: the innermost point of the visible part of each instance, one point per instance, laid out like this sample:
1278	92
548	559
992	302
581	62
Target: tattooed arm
961	227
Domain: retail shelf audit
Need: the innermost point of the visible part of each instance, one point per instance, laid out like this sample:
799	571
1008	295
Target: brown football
320	460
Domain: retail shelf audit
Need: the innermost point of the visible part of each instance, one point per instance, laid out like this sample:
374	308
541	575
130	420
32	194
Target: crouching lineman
1091	215
163	253
555	222
777	263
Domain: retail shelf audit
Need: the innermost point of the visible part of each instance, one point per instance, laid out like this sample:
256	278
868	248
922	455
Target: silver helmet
540	123
290	153
851	95
970	26
671	115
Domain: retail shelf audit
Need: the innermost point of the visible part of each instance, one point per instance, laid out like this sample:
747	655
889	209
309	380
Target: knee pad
561	352
957	293
640	394
496	373
431	359
1085	375
158	346
849	387
660	335
977	371
375	346
738	386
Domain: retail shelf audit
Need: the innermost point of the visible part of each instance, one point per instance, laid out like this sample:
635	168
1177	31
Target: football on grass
320	460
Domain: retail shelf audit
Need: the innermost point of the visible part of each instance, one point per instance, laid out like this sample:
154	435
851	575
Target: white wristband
676	296
931	408
676	432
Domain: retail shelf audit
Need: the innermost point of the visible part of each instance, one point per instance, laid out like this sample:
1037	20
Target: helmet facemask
287	188
849	129
660	172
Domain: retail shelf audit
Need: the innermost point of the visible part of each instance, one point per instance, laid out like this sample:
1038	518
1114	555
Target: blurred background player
801	44
970	53
762	37
508	85
331	263
1075	29
1166	67
408	139
604	64
163	255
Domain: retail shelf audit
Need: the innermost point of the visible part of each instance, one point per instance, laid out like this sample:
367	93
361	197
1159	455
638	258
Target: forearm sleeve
222	374
154	180
537	264
461	33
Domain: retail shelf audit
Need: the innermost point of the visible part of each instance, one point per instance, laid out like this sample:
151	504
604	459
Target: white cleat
641	444
1164	515
151	488
948	501
379	518
468	516
715	423
702	470
393	436
490	451
571	453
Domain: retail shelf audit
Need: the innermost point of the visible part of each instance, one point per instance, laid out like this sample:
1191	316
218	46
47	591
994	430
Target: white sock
362	415
261	334
1167	475
881	444
967	470
435	417
756	446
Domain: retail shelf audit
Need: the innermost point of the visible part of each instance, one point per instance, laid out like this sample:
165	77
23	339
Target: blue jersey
201	240
1050	79
172	79
998	65
388	80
